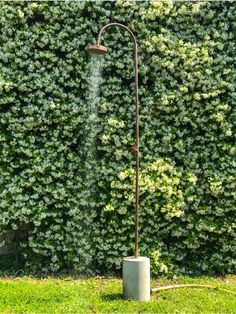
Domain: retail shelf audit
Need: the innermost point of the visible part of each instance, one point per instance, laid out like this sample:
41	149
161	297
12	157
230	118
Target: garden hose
190	286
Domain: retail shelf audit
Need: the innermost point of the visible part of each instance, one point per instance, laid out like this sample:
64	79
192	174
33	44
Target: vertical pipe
137	153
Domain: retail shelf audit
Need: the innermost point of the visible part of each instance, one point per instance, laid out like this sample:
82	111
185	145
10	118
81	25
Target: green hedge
67	174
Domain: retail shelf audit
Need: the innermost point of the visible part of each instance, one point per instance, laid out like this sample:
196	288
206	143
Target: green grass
103	295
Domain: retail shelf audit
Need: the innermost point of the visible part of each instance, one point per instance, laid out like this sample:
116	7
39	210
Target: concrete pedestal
136	278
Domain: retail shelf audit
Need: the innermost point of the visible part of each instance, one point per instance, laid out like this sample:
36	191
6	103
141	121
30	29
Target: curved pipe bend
118	25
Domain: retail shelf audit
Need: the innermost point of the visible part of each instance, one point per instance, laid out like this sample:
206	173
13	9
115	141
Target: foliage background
70	212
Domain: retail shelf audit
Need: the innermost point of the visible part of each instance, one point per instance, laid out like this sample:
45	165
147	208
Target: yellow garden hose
190	286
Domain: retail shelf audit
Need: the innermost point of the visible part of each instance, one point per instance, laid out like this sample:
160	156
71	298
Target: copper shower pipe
135	149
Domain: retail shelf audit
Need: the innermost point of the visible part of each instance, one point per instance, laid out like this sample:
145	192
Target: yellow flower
109	208
21	13
34	5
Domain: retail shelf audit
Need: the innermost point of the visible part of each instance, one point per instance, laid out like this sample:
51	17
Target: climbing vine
77	213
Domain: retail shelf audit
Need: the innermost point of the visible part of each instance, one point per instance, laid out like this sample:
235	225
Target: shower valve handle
134	150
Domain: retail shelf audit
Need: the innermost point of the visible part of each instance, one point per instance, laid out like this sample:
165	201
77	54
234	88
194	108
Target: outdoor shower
136	270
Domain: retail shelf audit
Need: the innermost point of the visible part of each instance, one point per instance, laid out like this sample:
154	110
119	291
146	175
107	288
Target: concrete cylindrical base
136	278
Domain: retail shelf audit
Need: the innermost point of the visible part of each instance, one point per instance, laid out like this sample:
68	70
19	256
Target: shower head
96	49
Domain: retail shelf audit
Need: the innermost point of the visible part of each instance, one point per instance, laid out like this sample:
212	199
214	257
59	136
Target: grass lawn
103	295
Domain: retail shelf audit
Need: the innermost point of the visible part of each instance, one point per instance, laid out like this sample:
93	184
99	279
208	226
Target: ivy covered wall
69	196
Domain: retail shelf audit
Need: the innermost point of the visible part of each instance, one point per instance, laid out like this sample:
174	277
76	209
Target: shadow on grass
112	297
